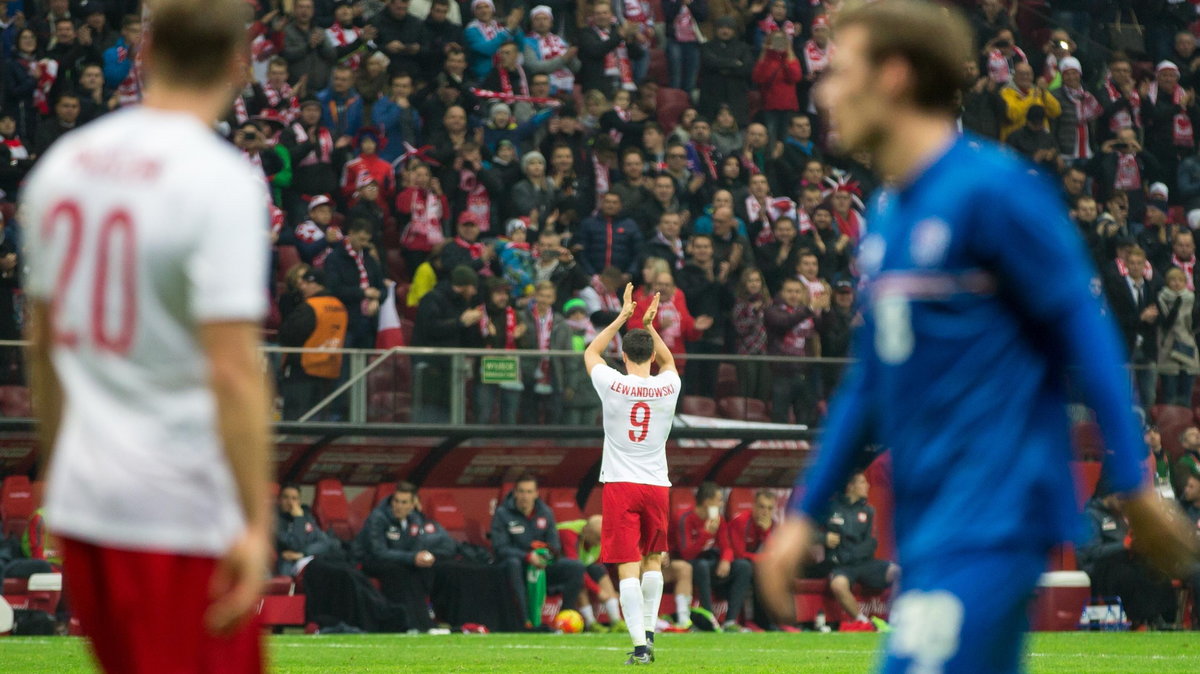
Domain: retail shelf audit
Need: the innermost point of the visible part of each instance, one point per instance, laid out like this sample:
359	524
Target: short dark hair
767	494
359	225
638	346
527	476
289	485
706	490
406	487
900	29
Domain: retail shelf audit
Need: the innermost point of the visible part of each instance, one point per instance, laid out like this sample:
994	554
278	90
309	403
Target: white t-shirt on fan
142	226
638	412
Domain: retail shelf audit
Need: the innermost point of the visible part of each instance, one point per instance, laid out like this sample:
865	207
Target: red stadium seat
360	508
754	102
562	502
739	499
288	257
441	505
1085	437
658	70
15	402
1176	215
395	266
743	409
16	505
465	512
332	509
727	381
698	405
683	499
671	104
38	489
594	500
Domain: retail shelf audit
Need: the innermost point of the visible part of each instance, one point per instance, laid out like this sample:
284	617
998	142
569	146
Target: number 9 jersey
638	412
141	227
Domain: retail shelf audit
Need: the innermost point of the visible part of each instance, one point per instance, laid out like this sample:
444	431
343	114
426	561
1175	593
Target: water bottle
819	623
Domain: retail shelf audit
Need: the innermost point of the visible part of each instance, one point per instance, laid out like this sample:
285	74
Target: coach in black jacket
522	522
850	546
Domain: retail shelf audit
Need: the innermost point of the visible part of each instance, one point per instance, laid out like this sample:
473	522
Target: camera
1121	146
1062	44
1003	43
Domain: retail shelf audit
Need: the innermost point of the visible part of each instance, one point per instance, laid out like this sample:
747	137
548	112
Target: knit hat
531	156
541	9
497	107
514	224
462	275
574	304
319	200
1165	65
476	3
1070	63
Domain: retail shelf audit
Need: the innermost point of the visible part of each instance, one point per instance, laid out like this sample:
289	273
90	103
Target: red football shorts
635	521
144	613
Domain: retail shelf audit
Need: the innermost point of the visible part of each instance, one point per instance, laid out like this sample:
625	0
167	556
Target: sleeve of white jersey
228	269
602	377
38	282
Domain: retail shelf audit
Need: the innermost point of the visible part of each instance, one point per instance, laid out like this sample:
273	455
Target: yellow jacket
1019	104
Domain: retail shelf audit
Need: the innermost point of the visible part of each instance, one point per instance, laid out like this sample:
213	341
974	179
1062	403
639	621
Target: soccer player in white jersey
638	410
147	261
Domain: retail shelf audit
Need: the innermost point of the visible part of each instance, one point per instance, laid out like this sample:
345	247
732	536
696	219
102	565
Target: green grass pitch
1061	653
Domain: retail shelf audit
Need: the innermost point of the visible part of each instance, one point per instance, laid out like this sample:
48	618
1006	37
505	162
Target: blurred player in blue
977	307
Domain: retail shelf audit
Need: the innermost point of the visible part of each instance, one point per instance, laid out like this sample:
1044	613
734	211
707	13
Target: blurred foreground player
146	277
977	308
638	411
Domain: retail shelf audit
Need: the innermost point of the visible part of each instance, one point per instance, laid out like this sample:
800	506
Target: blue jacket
480	49
115	69
392	121
342	115
596	236
386	539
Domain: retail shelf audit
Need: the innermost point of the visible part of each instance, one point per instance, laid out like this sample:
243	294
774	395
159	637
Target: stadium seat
658	70
594	500
698	406
38	488
1172	420
739	499
16	505
562	502
742	408
288	257
332	510
360	508
727	381
468	509
754	102
441	505
683	499
395	266
671	104
1085	437
15	402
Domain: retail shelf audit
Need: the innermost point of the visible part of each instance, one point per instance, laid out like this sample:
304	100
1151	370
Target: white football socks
652	589
683	608
614	610
589	616
631	606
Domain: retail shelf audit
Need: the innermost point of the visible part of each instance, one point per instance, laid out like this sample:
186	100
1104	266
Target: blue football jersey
977	304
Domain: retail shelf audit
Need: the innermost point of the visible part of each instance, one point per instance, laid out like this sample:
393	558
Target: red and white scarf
44	73
1147	270
1124	119
796	339
129	91
506	86
550	47
685	25
424	229
364	281
479	204
852	225
770	25
676	247
544	324
239	110
324	152
342	37
475	250
816	58
1189	270
16	149
1129	176
611	303
602	177
489	30
1182	134
1087	108
284	100
510	327
616	62
1000	67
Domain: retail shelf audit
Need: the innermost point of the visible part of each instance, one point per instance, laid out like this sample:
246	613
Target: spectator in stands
501	326
1080	110
634	186
608	239
777	73
507	76
536	196
485	36
831	246
1118	94
402	37
67	51
850	545
1116	570
776	259
120	62
557	264
756	206
12	360
1170	116
280	95
421	214
316	236
707	283
373	82
983	108
704	542
674	322
341	105
608	50
1023	92
727	64
95	28
1189	461
466	249
399	545
66	116
306	48
523	525
1134	303
726	140
93	98
791	331
541	402
319	322
749	311
581	541
808	272
1036	142
349	42
311	149
580	402
682	19
545	52
666	243
835	328
446	318
1122	166
1162	460
1178	361
356	278
443	29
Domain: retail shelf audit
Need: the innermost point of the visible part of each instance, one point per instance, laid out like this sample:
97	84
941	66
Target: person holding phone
776	74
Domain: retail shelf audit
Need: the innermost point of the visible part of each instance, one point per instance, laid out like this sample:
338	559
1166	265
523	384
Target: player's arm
592	355
662	355
242	398
45	388
1060	303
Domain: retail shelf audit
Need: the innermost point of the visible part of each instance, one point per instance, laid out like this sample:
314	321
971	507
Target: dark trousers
336	592
702	374
1145	593
793	390
736	585
409	586
564	576
301	392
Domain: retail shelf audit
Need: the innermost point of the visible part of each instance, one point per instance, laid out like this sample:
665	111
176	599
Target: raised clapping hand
651	312
629	305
